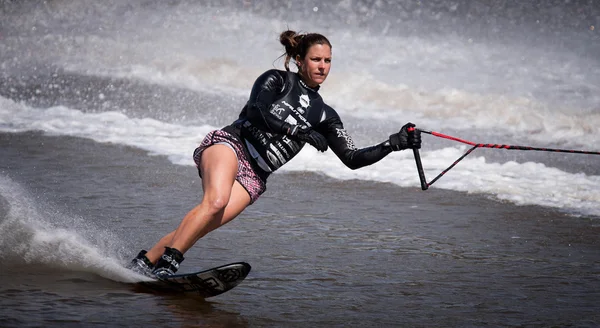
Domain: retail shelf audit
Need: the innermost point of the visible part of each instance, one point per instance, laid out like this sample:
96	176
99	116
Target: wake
31	235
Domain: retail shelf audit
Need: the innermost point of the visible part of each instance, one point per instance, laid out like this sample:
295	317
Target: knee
216	204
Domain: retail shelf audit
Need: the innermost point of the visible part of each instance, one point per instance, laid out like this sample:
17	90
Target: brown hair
297	44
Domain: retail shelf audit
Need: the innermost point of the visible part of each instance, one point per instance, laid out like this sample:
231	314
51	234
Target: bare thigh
224	198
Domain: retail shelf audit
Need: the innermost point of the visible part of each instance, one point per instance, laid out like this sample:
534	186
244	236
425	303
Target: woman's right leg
231	212
224	198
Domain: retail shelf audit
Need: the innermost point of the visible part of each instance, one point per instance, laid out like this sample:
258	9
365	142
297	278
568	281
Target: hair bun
288	39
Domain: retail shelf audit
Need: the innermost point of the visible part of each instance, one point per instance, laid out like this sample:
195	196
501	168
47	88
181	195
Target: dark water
324	252
75	207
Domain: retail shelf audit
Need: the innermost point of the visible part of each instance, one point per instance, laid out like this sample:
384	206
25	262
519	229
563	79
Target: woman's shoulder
273	75
276	72
330	112
273	79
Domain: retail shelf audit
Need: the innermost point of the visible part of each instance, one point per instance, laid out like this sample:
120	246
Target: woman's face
315	66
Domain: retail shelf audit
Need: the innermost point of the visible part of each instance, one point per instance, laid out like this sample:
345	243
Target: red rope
425	184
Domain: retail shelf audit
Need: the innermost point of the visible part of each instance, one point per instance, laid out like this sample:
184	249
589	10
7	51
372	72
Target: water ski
207	283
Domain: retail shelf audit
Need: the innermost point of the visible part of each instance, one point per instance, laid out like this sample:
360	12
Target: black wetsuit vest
280	97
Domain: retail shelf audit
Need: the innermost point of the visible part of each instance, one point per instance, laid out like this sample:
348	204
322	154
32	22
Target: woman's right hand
303	133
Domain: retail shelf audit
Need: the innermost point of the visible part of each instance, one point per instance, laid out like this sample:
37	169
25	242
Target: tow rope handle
424	184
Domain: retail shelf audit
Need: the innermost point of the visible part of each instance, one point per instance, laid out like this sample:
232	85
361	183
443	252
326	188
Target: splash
27	237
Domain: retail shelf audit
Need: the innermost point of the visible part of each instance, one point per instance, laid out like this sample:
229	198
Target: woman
284	112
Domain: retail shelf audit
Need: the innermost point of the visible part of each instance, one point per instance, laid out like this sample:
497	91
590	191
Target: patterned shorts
246	176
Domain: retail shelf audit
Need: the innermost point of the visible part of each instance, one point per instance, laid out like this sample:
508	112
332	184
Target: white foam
31	234
527	183
158	138
523	184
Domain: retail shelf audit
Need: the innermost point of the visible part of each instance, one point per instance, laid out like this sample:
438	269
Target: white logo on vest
304	101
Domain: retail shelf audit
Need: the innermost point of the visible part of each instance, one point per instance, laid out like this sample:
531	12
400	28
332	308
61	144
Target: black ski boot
168	263
141	264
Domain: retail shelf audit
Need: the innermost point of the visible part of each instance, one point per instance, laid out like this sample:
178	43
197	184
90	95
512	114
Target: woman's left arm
343	146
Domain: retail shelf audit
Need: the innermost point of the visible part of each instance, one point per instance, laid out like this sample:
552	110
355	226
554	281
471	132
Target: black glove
303	133
408	137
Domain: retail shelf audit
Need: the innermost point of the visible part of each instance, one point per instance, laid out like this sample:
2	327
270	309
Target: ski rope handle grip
424	184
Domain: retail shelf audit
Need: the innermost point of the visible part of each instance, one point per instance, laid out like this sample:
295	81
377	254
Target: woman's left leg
232	210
